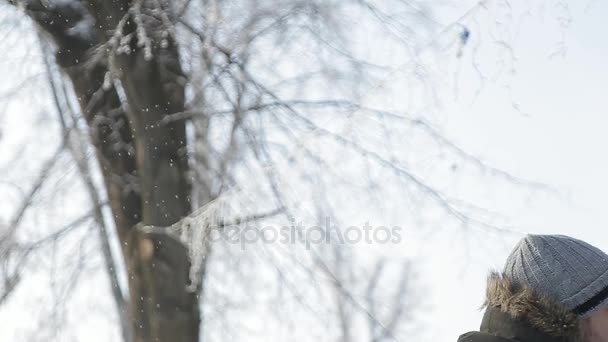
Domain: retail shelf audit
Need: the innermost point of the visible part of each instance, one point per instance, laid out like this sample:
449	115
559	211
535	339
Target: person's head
571	272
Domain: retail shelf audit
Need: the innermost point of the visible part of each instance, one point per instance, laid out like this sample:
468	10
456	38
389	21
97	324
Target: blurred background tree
174	120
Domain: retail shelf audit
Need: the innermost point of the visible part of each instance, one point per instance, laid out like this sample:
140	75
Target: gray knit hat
571	271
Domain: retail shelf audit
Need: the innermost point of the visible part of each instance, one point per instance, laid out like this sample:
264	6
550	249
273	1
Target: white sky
558	137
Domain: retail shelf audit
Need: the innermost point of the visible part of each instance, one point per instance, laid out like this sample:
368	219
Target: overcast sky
555	133
541	114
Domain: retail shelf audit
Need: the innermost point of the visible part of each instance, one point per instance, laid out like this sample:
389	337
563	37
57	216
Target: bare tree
197	110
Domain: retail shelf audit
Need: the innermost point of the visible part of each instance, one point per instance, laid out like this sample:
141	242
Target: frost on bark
102	45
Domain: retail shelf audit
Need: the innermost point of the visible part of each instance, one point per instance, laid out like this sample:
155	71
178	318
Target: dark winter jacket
519	314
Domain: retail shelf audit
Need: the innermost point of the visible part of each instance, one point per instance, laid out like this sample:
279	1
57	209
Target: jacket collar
513	310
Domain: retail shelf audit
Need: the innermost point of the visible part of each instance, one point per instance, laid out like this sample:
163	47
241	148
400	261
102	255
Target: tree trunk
144	161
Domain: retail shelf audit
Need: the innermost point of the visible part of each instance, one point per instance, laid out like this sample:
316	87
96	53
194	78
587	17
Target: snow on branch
195	230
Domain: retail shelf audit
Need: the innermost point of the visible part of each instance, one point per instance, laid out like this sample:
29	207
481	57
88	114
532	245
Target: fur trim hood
538	310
